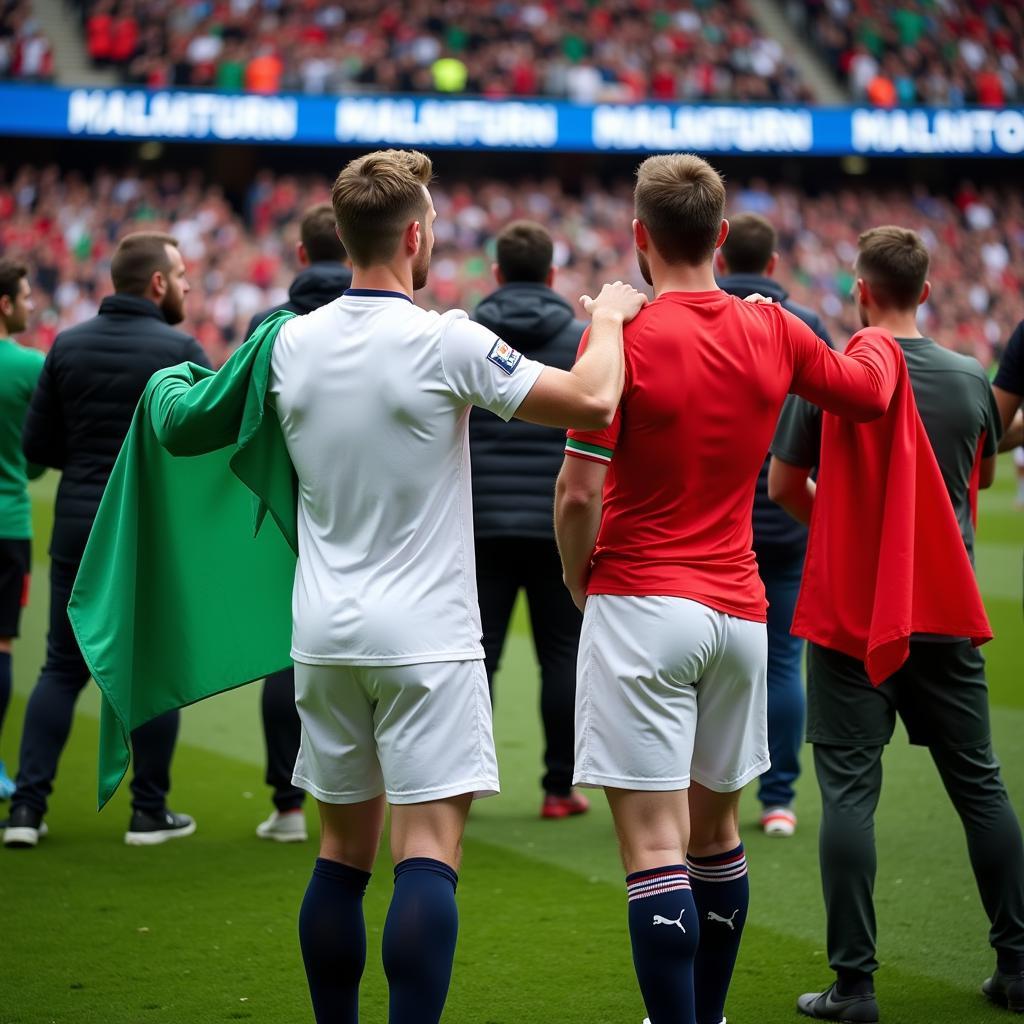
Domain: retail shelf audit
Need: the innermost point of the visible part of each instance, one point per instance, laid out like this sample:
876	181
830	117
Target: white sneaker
289	827
778	821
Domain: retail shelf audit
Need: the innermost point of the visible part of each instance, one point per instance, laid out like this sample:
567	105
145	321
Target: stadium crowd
26	53
620	50
242	260
920	52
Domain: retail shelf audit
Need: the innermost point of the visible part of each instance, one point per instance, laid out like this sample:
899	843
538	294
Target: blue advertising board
360	121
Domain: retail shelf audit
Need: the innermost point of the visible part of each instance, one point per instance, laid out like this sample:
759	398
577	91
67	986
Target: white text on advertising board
446	123
710	129
944	131
182	115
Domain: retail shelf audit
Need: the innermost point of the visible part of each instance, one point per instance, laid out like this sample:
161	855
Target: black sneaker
1006	990
829	1005
153	829
25	828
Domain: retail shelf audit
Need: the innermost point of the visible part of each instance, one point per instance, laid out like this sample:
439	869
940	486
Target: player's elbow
575	495
594	413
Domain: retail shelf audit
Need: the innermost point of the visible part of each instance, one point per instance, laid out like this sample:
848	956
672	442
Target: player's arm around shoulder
587	396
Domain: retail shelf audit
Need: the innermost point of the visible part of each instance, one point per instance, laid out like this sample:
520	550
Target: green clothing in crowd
19	370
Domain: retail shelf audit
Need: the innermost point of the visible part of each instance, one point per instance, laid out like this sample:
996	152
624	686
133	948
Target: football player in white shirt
374	395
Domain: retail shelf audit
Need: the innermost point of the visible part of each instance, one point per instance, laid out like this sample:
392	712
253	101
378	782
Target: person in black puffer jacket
744	266
78	418
514	469
324	277
325	273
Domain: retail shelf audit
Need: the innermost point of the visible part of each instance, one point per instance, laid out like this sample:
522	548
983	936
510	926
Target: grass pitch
203	929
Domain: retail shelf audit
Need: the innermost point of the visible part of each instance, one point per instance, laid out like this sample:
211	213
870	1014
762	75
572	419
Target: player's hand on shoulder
617	299
759	299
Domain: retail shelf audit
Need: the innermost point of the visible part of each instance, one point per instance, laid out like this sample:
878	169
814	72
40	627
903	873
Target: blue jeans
786	699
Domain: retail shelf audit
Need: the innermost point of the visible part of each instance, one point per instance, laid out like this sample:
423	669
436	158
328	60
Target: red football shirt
706	376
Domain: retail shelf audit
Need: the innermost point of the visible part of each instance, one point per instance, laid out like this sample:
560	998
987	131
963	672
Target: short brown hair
375	197
894	262
750	244
680	200
319	235
524	251
137	258
11	273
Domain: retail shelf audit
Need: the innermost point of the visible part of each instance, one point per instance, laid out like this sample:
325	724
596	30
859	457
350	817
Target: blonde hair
374	199
680	200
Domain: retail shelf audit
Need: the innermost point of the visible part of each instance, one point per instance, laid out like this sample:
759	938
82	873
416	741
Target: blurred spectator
920	52
25	49
614	51
242	258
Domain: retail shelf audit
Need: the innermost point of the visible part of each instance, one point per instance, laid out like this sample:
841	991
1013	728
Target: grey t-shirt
957	407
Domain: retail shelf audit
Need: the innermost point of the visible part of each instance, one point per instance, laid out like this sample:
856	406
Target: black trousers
942	697
281	733
504	566
51	709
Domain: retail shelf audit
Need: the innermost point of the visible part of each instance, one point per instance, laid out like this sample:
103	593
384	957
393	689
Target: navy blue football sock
5	684
332	934
721	890
419	940
664	931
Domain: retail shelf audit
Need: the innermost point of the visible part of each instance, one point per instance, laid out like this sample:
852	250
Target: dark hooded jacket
83	404
777	536
515	464
314	287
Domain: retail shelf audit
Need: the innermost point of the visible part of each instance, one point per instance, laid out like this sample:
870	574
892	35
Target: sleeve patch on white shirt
504	356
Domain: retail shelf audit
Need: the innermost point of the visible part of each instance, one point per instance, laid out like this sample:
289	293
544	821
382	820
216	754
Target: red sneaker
564	806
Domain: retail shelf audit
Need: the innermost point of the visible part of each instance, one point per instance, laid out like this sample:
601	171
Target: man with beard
79	415
324	276
373	395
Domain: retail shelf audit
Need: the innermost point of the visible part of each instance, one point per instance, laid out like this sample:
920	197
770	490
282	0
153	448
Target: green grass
204	930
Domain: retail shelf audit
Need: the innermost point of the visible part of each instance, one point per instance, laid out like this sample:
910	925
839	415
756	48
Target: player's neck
383	278
899	325
683	278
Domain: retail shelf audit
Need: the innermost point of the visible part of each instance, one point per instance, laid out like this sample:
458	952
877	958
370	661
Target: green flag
180	594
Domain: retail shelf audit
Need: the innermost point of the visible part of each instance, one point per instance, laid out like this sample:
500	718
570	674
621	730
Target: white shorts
416	732
668	690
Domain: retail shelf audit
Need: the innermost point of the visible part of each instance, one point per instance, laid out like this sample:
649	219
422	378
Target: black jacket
83	404
515	463
777	536
314	287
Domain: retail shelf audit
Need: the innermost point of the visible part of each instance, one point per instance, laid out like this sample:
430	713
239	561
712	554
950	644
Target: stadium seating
617	50
25	51
240	262
917	52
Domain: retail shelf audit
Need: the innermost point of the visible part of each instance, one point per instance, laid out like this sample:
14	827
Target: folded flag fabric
885	559
181	594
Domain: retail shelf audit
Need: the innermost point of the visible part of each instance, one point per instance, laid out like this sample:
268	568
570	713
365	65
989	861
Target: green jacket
180	594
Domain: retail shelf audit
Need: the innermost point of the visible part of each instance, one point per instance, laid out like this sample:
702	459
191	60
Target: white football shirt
374	395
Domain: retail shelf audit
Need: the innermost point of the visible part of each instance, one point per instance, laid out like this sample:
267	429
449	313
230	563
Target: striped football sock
721	890
663	929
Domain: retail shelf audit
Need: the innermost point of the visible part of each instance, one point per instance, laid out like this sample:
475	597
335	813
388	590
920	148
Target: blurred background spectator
920	52
25	51
616	50
241	258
